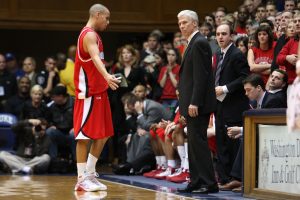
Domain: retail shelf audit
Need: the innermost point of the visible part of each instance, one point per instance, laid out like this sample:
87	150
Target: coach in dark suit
232	68
196	102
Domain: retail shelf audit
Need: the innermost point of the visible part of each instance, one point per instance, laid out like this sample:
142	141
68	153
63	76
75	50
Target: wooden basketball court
33	187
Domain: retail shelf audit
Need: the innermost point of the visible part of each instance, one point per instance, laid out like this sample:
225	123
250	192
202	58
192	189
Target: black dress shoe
209	189
123	169
189	189
144	169
115	166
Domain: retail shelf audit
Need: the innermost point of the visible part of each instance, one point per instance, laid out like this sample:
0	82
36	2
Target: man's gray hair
97	8
189	13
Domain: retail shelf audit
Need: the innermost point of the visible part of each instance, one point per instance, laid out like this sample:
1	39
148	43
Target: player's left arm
90	44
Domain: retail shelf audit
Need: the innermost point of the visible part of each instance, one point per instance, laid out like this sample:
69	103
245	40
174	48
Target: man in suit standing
232	68
197	101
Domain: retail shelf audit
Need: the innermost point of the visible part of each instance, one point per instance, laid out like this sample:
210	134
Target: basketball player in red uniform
92	115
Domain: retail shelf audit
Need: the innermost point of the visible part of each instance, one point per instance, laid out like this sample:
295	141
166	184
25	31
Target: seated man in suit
277	85
130	129
161	142
139	151
255	91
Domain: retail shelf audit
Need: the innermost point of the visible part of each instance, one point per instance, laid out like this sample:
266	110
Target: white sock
81	168
158	162
91	164
181	153
171	163
186	164
163	161
186	159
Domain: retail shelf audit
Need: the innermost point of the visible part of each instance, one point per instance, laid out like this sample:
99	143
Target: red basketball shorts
92	117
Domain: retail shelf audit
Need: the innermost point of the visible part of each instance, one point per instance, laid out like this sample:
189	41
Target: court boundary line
146	188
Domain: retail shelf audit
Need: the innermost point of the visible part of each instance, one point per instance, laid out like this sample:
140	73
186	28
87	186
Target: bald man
92	114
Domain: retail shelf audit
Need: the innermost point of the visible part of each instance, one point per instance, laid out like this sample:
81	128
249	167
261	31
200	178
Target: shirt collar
144	103
259	102
191	36
224	51
149	52
30	76
274	91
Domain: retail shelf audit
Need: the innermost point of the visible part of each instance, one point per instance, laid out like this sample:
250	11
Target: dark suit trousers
237	169
148	158
226	148
200	162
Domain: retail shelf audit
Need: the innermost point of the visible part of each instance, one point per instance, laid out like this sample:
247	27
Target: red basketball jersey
88	80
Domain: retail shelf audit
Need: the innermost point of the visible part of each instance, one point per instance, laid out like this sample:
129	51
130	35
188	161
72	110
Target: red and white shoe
152	173
165	173
176	173
89	183
180	178
86	185
83	195
93	177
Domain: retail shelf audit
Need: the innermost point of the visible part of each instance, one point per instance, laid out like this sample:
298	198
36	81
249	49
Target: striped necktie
219	68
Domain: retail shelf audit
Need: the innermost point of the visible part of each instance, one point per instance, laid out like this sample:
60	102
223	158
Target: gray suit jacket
153	113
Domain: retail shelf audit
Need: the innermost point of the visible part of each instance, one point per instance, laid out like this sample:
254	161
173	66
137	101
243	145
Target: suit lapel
264	101
189	47
146	103
227	56
185	52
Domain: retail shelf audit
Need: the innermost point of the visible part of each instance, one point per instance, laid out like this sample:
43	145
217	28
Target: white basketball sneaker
83	195
85	183
93	177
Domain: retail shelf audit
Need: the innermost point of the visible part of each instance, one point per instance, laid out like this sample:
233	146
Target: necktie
218	70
